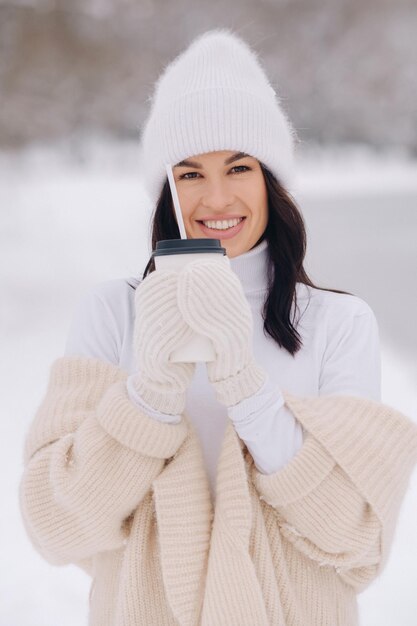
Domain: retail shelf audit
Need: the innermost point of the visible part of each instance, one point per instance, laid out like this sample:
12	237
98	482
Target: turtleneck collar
251	268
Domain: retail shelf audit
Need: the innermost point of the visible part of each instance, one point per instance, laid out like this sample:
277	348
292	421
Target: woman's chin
233	248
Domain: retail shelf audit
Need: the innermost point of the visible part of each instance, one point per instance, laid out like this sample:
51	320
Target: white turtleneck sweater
340	355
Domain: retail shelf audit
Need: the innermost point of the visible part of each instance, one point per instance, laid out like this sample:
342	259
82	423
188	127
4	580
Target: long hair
286	236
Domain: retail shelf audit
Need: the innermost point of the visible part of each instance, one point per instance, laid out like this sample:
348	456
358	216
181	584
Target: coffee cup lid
188	246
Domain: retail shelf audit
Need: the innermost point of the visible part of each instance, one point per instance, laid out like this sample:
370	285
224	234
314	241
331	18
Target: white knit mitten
159	329
212	302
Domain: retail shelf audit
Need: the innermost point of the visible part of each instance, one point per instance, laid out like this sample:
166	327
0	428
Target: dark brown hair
286	236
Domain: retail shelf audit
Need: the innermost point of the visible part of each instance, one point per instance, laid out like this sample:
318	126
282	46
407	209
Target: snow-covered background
71	218
345	69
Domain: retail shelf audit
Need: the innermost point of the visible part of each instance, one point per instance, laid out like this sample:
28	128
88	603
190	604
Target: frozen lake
65	226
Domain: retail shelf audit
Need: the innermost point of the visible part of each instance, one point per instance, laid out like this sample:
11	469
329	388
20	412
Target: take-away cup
174	254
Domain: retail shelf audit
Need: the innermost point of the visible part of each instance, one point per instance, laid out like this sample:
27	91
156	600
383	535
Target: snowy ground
67	223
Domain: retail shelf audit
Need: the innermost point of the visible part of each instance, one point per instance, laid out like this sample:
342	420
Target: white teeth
222	224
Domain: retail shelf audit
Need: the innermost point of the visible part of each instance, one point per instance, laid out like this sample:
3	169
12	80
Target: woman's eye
187	174
245	168
237	169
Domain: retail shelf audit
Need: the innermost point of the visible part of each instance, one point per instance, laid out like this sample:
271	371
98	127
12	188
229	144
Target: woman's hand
159	329
212	303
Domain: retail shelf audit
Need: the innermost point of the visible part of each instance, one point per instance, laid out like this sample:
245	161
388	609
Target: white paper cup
174	254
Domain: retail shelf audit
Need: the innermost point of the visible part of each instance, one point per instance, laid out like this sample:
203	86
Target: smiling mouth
222	233
221	225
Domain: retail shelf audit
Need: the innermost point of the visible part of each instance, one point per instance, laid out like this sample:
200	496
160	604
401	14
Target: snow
71	218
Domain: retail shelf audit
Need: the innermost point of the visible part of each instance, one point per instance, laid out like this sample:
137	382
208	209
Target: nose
217	195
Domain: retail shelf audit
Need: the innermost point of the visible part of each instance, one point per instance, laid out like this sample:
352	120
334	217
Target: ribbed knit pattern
374	449
215	96
79	386
127	498
92	455
159	329
212	302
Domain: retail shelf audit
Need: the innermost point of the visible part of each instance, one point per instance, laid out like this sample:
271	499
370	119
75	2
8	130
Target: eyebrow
234	157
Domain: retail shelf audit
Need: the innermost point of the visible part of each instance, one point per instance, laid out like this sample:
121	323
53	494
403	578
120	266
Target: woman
262	488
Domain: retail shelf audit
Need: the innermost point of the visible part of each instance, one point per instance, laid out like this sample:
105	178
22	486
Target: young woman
261	488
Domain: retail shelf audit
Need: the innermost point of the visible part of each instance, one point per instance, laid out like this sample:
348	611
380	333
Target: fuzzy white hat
215	96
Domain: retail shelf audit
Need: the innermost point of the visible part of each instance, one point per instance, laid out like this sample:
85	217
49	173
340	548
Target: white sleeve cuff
269	429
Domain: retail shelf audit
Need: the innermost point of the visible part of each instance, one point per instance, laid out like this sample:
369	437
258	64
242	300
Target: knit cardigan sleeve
338	500
90	457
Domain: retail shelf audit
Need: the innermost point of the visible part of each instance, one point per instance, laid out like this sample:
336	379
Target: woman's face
223	185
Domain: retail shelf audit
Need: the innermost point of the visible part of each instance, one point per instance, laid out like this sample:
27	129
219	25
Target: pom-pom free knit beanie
215	96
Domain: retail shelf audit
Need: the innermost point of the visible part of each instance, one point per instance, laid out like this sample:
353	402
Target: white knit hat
215	96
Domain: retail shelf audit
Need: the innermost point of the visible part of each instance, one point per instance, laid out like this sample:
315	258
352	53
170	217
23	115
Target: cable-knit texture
159	329
126	497
212	302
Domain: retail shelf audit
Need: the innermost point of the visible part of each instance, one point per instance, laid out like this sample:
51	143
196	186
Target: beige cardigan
127	498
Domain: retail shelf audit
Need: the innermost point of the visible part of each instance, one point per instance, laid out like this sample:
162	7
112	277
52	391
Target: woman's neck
251	268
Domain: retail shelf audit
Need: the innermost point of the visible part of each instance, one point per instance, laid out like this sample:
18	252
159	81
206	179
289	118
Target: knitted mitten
212	302
159	329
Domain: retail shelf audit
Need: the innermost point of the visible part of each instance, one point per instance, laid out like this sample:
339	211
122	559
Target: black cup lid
188	246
